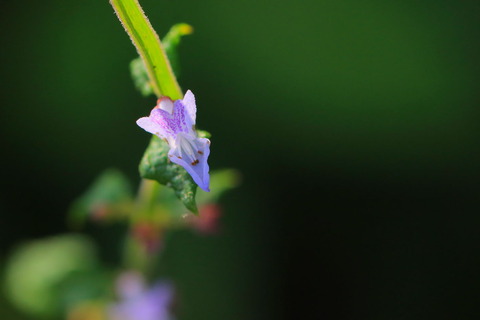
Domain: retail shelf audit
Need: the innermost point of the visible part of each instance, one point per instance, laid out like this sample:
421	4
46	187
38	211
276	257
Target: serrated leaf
155	165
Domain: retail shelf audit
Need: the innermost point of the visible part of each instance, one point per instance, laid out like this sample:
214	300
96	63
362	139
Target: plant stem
146	196
136	254
149	47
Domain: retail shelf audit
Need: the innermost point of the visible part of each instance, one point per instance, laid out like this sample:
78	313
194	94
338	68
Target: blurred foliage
140	77
109	197
109	200
37	273
80	287
60	275
171	41
204	134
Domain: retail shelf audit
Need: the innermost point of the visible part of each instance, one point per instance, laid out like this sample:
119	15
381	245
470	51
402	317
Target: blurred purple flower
139	302
174	121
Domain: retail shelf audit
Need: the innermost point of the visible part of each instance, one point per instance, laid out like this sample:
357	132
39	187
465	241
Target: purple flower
174	122
141	303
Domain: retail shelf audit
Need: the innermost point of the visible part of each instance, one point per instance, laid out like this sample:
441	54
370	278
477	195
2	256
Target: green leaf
36	270
172	40
149	48
81	286
109	195
204	134
140	77
155	165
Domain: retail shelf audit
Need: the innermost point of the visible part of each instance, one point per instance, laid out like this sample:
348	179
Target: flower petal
196	164
150	304
147	124
177	125
189	103
172	123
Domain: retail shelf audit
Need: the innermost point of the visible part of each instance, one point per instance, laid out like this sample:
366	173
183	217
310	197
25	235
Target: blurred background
355	125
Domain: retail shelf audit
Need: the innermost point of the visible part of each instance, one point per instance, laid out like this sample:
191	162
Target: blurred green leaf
36	269
140	77
110	195
155	165
149	48
171	42
220	181
204	134
84	285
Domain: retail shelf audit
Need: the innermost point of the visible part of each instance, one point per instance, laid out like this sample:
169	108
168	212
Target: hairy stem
149	48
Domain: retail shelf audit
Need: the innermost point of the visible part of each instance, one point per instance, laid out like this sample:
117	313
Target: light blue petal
148	125
196	166
189	103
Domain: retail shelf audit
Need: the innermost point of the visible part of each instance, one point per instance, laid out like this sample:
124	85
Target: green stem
149	48
146	196
136	255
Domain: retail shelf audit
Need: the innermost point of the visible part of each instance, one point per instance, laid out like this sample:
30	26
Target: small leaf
110	195
140	77
155	165
172	40
204	134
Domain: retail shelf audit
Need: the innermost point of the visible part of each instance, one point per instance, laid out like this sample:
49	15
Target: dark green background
355	125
